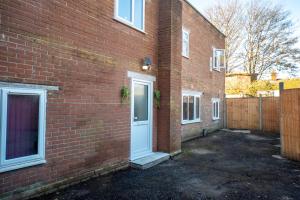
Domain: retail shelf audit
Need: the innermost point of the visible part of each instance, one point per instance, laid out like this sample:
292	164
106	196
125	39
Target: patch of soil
221	166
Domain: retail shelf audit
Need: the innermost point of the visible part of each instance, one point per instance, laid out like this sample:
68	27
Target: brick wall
169	75
78	46
196	74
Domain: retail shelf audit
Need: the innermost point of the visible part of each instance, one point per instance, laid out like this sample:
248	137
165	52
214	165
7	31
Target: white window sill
187	57
217	70
6	168
215	119
191	122
122	21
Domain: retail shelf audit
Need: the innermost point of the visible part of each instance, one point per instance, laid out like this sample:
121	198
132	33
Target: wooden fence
254	113
290	123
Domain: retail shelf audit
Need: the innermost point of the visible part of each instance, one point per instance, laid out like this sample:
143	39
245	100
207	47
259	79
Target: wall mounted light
147	64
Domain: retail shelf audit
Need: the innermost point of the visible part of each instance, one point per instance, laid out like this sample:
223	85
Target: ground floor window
23	115
215	108
191	104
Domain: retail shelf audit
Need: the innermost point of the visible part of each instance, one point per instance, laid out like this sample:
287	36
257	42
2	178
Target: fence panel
243	113
253	113
290	126
271	114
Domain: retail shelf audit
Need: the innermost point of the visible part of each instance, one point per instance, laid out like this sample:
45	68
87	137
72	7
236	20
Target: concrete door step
150	160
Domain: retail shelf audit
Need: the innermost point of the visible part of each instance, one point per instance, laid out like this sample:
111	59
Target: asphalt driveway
223	165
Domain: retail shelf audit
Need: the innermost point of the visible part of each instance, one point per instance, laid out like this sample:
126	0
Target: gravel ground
223	165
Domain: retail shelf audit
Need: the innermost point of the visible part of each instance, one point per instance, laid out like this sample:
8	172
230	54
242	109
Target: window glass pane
217	109
185	108
184	48
221	58
191	108
185	36
22	125
138	14
185	43
197	107
125	9
140	102
214	109
216	62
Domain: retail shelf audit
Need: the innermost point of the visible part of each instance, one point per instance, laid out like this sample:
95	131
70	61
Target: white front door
141	119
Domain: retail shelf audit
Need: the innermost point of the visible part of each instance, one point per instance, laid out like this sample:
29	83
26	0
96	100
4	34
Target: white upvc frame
149	83
216	60
195	94
185	54
17	163
215	115
127	22
147	79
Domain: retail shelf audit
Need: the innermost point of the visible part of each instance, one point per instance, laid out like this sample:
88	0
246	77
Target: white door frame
146	79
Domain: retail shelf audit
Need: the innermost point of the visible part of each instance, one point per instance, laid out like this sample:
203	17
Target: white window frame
216	59
195	95
215	116
127	22
17	163
185	54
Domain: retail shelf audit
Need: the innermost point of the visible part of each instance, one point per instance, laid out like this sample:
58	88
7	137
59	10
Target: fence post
225	112
260	113
281	88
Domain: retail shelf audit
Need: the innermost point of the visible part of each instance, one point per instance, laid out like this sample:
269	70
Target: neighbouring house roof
205	18
237	74
240	74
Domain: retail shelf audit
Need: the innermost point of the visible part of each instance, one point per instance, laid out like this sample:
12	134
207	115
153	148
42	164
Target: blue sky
291	5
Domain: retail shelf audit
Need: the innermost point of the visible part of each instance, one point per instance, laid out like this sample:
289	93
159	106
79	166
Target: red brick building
63	65
200	74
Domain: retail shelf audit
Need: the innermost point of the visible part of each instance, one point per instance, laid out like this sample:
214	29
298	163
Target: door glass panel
140	102
22	126
191	108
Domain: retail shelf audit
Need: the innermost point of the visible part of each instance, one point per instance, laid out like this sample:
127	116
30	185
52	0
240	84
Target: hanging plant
124	94
157	98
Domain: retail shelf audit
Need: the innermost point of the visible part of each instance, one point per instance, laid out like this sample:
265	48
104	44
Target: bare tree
265	39
270	41
227	16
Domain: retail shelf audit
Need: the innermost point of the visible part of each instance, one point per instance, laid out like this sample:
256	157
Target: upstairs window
23	115
215	108
218	59
191	107
131	12
185	43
